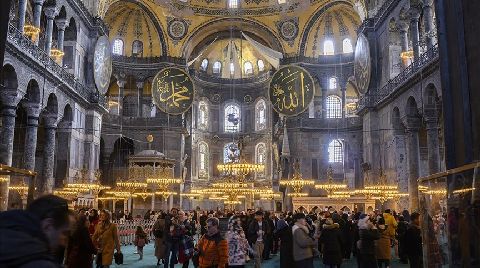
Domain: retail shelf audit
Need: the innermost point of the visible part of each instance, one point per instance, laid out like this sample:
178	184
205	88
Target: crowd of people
48	234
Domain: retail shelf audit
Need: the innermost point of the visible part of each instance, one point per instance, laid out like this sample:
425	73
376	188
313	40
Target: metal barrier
126	230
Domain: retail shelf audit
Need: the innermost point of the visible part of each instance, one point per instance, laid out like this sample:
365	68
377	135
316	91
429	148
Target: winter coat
22	242
367	237
237	248
105	239
286	246
382	245
160	241
391	224
253	228
213	251
331	241
80	249
413	241
303	244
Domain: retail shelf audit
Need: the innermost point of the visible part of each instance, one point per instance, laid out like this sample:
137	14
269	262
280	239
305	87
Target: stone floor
149	260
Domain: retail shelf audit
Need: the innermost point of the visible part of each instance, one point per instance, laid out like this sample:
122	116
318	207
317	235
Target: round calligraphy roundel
362	64
291	90
102	64
172	91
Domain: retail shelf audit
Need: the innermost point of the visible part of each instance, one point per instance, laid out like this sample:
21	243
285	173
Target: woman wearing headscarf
237	243
284	232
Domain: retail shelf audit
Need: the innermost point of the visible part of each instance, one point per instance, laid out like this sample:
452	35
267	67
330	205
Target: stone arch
63	140
33	92
52	104
71	30
411	108
397	121
9	78
67	113
62	13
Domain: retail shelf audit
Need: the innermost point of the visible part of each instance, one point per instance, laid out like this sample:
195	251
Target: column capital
61	23
412	123
431	122
33	109
39	2
427	3
121	83
50	11
10	97
50	120
414	14
403	26
140	85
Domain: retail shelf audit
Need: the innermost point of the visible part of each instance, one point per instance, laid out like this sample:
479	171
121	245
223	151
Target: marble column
50	12
433	145
140	99
121	87
33	110
428	18
37	14
403	29
8	113
414	19
62	24
22	10
49	152
344	100
412	126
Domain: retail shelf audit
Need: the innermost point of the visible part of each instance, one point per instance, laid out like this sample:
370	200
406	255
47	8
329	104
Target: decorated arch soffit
287	29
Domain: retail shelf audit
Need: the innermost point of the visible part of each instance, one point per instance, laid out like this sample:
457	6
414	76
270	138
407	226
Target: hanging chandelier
297	182
238	165
31	31
330	186
382	185
82	183
21	189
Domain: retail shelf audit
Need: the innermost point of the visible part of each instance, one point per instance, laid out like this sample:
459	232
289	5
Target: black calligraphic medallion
291	90
172	91
362	65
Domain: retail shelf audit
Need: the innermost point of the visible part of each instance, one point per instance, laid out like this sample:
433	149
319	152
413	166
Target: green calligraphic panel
172	91
291	90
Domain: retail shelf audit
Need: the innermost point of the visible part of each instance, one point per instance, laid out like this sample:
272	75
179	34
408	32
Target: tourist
413	242
332	245
283	232
93	220
237	243
368	233
159	233
185	234
401	230
347	235
105	239
382	245
303	244
80	248
203	222
172	238
140	241
268	238
257	230
212	247
29	238
391	224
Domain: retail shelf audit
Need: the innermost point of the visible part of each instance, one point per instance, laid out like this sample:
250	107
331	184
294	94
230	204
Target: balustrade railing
126	230
322	59
24	44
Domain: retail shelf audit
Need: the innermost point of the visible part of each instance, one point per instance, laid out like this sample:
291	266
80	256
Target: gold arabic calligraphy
174	91
291	91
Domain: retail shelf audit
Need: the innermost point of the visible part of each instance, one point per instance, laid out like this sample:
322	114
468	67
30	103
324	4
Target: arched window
117	47
203	156
335	151
261	65
332	83
334	107
260	157
137	48
260	115
203	115
232	118
232	3
217	67
204	65
232	68
328	48
347	46
230	151
248	68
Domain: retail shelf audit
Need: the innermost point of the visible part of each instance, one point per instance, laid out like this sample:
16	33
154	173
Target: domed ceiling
130	22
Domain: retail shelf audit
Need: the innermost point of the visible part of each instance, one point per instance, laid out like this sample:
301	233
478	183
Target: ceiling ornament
177	28
248	99
216	98
288	29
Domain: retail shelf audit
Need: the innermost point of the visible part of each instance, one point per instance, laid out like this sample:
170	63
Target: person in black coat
368	233
401	231
413	242
283	232
347	237
331	241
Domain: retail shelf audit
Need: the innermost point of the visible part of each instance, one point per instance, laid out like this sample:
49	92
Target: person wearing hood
31	237
283	232
331	243
212	247
382	245
237	243
368	233
303	244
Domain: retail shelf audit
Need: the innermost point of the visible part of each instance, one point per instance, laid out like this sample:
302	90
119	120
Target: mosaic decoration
149	32
328	25
172	91
341	25
362	64
122	30
102	64
288	29
291	90
177	28
247	99
137	26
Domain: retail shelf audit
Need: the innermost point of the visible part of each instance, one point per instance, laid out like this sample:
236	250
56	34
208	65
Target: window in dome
203	156
248	68
334	107
232	68
347	46
232	3
328	48
261	66
203	115
217	67
260	115
335	151
232	118
204	65
137	48
117	47
332	83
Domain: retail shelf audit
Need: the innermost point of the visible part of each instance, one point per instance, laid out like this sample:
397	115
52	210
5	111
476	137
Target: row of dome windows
247	67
